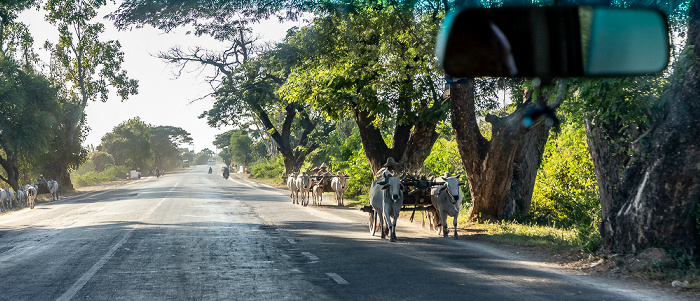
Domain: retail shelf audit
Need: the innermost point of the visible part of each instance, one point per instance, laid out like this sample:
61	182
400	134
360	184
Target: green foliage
340	146
201	159
268	168
164	143
91	65
29	106
129	143
241	148
360	175
100	160
444	157
111	173
566	192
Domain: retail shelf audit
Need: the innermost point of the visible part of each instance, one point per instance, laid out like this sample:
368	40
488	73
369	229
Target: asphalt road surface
195	236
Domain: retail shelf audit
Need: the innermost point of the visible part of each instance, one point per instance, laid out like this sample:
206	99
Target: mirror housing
548	42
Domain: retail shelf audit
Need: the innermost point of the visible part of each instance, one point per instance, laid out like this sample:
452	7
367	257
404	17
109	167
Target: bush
201	159
111	173
267	168
360	175
566	192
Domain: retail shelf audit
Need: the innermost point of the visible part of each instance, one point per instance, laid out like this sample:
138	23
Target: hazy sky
162	99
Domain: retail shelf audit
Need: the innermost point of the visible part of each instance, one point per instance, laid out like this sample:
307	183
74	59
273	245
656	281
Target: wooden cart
416	197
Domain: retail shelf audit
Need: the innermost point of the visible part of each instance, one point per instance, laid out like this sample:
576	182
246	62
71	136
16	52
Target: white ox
303	184
31	195
386	197
292	185
53	189
6	196
447	199
317	194
21	196
339	184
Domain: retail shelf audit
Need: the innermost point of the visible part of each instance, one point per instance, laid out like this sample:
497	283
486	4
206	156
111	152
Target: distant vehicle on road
185	163
211	161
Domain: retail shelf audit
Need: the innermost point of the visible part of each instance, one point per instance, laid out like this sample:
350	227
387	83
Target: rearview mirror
549	42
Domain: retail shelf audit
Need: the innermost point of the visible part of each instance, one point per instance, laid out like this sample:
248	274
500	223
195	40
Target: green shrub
267	168
360	175
566	193
111	173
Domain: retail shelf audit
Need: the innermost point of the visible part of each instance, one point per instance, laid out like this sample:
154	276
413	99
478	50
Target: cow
292	185
303	184
31	195
21	196
386	198
447	198
6	197
317	194
339	184
53	189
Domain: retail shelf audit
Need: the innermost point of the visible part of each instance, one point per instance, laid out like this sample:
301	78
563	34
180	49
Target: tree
90	66
374	62
501	171
164	143
241	148
101	160
645	144
129	143
28	104
15	39
222	141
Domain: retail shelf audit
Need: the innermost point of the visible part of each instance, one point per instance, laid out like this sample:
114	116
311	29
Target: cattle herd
26	195
386	198
304	186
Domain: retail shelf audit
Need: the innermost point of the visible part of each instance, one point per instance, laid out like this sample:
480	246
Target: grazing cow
447	199
292	185
386	197
339	184
53	189
31	195
317	194
303	187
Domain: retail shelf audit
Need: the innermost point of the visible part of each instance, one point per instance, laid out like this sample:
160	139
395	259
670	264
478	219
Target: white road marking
311	257
70	293
337	278
242	183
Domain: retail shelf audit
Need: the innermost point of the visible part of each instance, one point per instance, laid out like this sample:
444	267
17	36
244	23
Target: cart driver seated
323	176
387	169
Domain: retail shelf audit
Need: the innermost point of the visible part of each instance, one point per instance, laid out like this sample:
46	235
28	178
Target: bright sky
162	99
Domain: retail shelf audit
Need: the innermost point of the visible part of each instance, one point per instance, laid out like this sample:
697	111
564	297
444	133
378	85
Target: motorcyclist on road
226	173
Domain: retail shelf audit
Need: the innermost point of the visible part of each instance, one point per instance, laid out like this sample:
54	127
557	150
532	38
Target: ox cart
416	197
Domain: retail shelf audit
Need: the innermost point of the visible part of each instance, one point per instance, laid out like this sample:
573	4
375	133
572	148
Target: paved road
194	236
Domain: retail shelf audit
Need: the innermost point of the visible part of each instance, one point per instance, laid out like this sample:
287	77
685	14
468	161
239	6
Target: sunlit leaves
91	66
566	189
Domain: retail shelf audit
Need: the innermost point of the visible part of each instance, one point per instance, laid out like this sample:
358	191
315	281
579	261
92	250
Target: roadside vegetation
614	176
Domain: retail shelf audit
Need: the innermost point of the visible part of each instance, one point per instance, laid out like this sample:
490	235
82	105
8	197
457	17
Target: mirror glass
549	42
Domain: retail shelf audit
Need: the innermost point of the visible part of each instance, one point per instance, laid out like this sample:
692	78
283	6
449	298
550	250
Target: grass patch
531	235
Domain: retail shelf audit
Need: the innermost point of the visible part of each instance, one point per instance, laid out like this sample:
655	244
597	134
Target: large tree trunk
412	143
12	173
526	163
491	165
653	199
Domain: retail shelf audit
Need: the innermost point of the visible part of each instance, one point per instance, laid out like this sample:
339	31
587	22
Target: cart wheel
372	222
